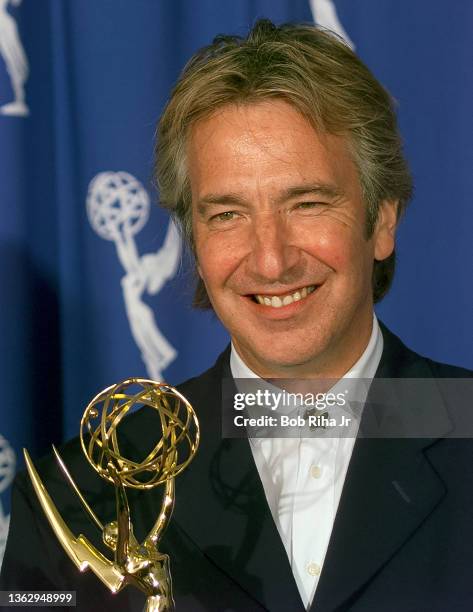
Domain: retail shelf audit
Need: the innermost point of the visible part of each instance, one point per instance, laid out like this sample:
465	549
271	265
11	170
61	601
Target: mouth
278	301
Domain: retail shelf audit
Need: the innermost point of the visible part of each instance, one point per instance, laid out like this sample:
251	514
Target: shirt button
316	471
313	569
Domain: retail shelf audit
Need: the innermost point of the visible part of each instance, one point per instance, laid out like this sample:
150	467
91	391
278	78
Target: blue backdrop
93	284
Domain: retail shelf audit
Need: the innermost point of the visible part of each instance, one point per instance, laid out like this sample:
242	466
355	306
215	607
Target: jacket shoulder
399	361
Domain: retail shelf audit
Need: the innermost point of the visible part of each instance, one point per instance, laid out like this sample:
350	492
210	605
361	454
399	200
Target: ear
385	230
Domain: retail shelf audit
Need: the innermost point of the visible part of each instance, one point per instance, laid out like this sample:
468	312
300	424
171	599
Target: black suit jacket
402	539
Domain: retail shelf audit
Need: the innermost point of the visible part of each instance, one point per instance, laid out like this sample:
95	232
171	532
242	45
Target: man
280	157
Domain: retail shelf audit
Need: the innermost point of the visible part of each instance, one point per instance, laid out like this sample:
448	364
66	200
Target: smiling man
279	156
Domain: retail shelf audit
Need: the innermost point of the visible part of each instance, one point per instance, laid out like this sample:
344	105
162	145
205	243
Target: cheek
346	252
335	245
216	260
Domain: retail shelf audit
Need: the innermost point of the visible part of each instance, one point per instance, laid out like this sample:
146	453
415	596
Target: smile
277	301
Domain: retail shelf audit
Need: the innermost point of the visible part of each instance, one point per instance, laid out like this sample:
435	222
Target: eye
309	207
227	215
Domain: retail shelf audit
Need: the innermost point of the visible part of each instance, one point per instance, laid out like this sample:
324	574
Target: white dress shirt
303	478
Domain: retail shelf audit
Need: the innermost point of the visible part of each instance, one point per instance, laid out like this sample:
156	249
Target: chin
278	359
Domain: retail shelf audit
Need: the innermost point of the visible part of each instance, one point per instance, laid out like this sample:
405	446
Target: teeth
276	301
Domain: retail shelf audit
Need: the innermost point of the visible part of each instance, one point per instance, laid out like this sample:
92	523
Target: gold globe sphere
172	452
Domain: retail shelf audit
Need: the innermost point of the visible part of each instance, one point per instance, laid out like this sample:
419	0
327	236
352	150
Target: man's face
280	236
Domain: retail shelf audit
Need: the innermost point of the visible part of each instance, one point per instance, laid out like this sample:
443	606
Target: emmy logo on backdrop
140	564
118	208
7	471
15	59
325	15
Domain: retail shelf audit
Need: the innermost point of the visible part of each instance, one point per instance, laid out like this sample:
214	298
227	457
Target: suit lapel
390	489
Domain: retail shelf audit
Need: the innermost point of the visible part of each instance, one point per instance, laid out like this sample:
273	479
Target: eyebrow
322	189
233	199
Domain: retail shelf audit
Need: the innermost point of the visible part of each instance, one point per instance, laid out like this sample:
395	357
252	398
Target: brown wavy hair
318	74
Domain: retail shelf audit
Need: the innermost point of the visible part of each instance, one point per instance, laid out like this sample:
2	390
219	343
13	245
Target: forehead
266	145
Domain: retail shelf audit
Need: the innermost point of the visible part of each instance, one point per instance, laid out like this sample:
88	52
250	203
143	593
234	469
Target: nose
273	256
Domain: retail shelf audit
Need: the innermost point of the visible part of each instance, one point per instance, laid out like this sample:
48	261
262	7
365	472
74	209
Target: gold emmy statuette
139	564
